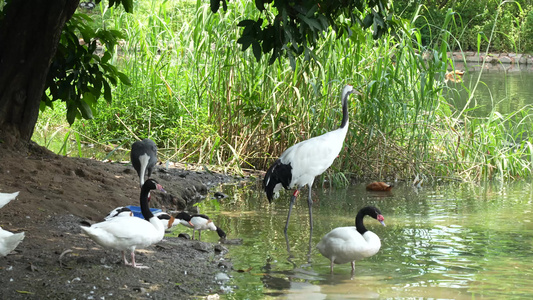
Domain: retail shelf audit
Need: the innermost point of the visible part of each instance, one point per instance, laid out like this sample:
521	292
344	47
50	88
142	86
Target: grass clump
204	101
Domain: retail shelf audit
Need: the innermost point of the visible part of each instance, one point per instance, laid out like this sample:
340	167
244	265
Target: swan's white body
126	234
9	241
5	198
345	244
352	243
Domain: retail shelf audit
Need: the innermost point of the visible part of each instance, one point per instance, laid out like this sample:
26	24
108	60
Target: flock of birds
299	165
296	167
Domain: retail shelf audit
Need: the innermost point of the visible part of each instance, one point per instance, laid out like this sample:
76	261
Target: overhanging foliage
292	28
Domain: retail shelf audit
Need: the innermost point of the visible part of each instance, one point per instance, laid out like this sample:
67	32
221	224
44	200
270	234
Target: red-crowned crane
300	164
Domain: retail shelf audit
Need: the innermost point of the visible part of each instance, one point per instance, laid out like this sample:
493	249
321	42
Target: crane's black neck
145	208
344	110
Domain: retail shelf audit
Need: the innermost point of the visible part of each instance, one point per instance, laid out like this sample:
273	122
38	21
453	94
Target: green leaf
215	5
123	78
260	5
72	111
128	5
256	47
246	23
313	23
245	41
107	92
368	21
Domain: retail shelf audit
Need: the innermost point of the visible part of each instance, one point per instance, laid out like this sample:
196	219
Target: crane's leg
293	198
310	203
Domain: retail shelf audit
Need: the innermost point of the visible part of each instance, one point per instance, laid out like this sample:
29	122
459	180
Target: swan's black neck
344	110
359	220
145	208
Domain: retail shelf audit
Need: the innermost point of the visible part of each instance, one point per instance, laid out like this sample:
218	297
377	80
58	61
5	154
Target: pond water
506	92
441	242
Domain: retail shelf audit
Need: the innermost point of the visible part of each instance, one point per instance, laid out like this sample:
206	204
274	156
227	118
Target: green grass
205	101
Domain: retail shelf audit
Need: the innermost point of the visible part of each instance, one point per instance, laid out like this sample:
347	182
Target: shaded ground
56	261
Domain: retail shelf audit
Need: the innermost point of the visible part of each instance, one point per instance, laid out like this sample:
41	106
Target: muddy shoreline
56	261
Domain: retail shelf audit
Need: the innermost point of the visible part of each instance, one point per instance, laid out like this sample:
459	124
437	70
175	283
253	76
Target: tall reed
205	101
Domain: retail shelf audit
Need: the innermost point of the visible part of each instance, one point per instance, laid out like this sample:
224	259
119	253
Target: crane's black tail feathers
278	173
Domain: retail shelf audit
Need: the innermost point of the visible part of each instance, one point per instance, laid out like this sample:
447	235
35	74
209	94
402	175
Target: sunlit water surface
441	242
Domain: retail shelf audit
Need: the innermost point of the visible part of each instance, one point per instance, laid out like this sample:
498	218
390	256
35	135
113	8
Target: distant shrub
527	33
513	31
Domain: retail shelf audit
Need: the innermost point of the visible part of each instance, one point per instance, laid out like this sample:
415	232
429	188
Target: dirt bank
55	261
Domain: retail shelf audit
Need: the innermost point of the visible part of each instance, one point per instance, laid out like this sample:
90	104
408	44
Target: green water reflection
506	92
446	242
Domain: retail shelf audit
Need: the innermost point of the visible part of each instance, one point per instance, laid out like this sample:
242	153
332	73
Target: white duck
9	241
199	222
121	211
348	244
5	198
167	220
127	234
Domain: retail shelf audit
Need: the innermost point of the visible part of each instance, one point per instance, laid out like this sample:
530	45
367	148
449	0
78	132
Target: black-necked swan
143	157
348	244
301	163
5	198
199	222
127	234
9	241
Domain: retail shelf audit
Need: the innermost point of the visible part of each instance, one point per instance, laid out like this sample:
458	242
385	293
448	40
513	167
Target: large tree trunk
29	35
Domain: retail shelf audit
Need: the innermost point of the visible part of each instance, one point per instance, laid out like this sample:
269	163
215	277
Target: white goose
199	222
348	244
5	198
167	220
127	234
9	241
123	211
